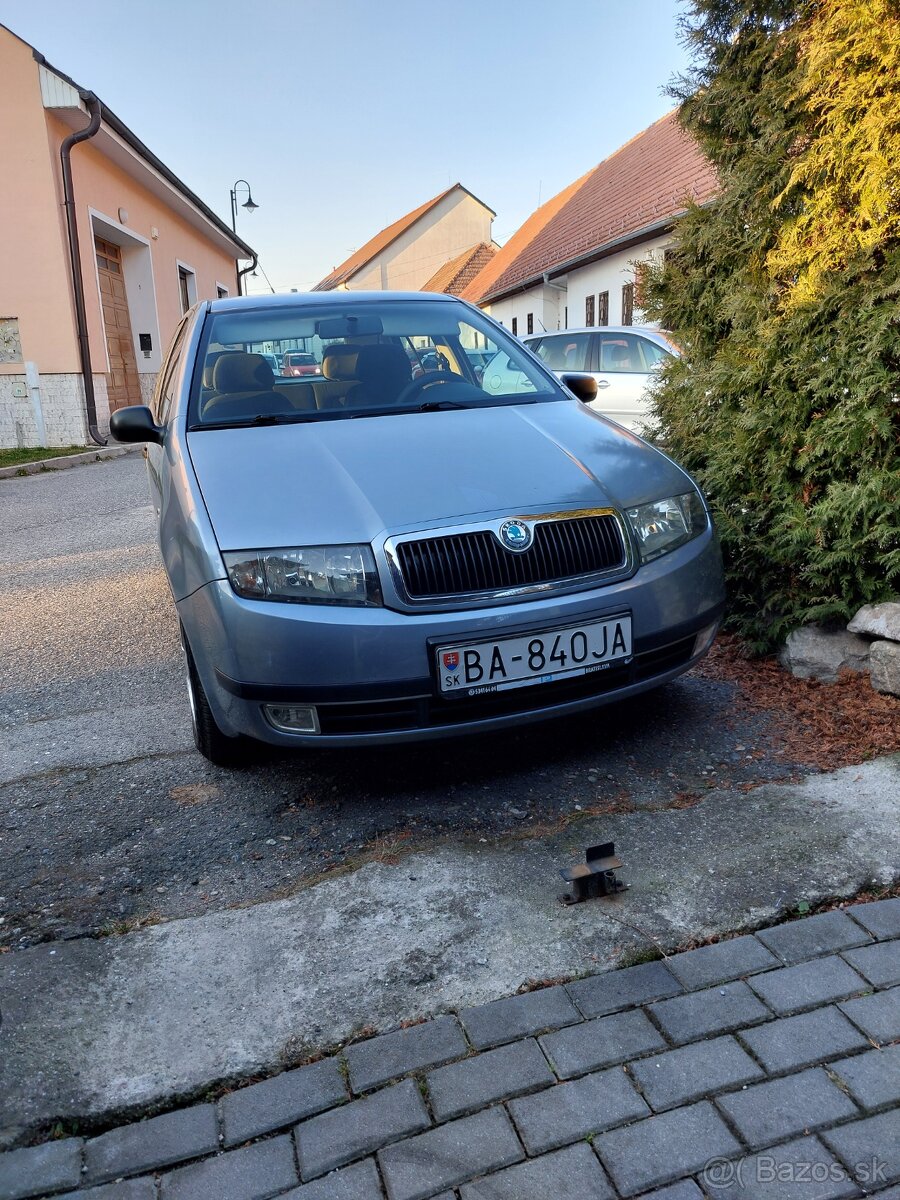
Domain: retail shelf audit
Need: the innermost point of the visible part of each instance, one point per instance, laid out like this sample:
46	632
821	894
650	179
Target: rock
878	620
884	658
815	653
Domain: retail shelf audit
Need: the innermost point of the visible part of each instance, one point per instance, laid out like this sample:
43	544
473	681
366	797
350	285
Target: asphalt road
109	818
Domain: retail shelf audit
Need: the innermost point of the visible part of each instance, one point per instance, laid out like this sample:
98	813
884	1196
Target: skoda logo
515	535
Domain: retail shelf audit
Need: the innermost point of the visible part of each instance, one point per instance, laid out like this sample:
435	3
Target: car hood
337	481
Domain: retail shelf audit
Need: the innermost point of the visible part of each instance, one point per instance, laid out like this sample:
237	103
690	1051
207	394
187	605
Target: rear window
563	352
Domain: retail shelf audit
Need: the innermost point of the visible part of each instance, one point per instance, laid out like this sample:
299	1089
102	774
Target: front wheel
213	744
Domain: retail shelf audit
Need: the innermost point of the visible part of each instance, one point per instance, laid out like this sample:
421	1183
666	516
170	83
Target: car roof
320	300
643	330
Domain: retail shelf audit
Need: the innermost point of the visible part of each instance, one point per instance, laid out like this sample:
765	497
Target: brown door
123	383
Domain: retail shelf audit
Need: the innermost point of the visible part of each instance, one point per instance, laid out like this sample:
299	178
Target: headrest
242	373
209	366
383	365
339	362
619	355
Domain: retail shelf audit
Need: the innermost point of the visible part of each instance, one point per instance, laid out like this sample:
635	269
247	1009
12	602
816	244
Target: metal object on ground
595	877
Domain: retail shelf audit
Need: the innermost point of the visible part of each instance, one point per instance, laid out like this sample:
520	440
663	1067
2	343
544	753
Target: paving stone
792	989
126	1189
694	1071
702	1014
802	1041
570	1111
518	1016
613	990
877	1015
873	1078
251	1173
685	1189
495	1075
391	1055
39	1169
286	1098
148	1145
800	1170
571	1172
782	1108
721	962
664	1147
879	963
359	1182
600	1043
881	918
869	1146
359	1128
811	937
449	1155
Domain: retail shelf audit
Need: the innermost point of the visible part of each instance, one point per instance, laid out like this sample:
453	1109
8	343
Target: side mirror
583	387
134	424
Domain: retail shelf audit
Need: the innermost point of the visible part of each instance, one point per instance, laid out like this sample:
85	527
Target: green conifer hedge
784	294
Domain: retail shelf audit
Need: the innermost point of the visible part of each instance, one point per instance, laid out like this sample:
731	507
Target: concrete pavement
98	1029
757	1067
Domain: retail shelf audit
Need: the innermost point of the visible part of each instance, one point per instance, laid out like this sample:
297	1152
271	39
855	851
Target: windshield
370	359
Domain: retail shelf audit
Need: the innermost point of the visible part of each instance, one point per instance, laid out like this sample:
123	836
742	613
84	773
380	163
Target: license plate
495	666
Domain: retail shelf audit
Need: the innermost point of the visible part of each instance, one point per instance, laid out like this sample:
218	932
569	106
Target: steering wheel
426	381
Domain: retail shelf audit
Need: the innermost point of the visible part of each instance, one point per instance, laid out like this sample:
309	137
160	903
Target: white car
622	358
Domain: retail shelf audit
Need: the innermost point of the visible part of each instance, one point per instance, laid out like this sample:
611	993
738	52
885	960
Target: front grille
467	563
435	712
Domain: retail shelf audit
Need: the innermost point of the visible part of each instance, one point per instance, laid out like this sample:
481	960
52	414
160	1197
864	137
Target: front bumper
369	672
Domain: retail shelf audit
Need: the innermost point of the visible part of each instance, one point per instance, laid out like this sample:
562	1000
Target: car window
653	353
620	352
165	390
564	351
370	359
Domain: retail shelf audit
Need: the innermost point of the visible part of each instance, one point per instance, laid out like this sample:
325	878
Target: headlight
662	526
306	575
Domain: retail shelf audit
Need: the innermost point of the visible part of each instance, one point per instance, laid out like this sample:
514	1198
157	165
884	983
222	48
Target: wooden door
123	383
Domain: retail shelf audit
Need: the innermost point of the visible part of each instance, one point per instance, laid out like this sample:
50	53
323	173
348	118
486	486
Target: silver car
622	358
366	557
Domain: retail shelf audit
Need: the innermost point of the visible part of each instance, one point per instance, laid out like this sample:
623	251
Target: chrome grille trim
468	563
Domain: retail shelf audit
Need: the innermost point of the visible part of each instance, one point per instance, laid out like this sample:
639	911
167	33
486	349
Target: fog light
291	719
705	639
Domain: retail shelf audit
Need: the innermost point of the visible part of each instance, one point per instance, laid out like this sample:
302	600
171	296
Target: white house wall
609	275
552	308
546	304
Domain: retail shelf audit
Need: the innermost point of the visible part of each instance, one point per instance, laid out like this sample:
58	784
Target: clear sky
345	114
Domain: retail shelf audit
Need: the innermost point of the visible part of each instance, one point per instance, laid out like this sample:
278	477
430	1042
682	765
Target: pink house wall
34	280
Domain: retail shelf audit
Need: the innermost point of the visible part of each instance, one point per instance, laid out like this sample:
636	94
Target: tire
215	746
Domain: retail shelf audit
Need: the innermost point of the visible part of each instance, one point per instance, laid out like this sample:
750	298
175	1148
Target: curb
66	460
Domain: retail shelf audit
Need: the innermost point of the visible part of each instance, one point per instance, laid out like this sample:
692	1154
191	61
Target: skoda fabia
387	551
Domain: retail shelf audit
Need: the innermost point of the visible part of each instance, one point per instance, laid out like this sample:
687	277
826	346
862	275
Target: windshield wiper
249	422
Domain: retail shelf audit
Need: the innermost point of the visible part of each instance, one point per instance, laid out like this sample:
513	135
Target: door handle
602	383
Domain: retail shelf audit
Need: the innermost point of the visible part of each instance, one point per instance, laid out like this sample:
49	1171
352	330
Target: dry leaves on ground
825	725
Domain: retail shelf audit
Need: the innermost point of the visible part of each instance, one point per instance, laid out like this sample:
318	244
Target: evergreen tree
784	294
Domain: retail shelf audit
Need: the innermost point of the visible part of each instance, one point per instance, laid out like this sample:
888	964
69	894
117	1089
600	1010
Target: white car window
620	352
563	352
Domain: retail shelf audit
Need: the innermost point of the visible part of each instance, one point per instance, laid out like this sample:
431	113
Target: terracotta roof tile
642	183
454	275
381	241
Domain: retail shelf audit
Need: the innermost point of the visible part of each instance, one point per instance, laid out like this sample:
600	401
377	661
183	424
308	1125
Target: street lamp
248	203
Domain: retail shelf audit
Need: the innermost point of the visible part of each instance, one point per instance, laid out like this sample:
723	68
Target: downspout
84	349
246	271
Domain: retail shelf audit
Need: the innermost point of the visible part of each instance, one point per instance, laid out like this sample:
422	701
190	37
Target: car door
622	371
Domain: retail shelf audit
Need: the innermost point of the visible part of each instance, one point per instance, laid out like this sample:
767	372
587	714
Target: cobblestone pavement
766	1065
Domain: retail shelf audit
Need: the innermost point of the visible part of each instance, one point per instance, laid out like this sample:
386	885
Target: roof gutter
84	349
246	271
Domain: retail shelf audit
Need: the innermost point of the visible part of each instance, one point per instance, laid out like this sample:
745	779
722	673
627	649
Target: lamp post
248	203
250	207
